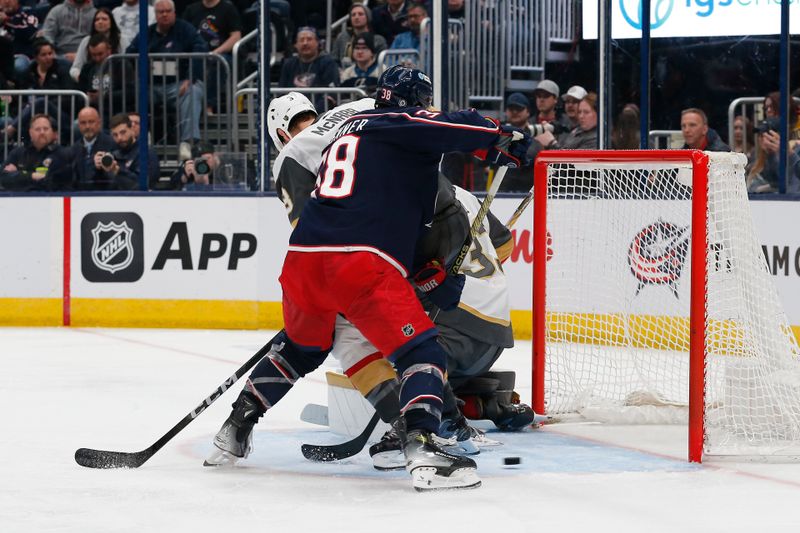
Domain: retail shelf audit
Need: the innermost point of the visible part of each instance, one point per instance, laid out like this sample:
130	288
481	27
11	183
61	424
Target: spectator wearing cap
309	68
518	114
410	39
359	21
518	111
546	94
365	71
572	98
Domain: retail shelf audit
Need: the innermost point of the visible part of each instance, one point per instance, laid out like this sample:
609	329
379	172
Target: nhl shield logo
408	330
111	246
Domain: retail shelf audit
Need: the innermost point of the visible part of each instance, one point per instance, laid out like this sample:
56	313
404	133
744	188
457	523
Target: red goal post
617	325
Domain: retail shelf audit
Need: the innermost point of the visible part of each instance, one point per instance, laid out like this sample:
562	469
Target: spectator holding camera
87	170
197	174
121	166
763	174
584	137
39	165
696	133
546	97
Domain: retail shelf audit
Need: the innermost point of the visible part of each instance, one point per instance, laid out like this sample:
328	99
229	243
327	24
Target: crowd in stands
47	45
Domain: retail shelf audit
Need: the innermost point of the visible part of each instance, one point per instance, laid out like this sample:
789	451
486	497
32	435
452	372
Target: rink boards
213	262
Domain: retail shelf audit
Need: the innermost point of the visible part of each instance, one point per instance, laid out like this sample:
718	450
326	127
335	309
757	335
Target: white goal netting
618	300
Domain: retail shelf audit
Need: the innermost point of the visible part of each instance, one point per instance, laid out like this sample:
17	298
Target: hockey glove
442	290
510	148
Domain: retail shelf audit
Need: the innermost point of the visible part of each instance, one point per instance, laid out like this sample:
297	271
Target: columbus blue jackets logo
657	255
112	247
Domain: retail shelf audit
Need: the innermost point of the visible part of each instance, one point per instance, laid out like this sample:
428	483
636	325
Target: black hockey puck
511	461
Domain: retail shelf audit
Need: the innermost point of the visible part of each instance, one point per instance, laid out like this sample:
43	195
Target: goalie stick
520	209
477	222
91	458
335	452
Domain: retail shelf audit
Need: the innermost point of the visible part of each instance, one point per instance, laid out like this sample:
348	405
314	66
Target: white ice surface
61	389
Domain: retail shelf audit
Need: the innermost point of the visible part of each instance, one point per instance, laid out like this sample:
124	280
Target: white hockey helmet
282	110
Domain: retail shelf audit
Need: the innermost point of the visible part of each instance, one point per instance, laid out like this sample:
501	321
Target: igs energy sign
692	18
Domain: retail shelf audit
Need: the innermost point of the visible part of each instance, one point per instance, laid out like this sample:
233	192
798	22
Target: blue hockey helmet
401	86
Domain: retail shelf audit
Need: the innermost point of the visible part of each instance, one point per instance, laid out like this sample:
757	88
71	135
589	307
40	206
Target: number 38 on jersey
337	173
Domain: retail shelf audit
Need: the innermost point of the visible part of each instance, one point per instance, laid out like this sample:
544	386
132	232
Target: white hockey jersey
484	312
295	168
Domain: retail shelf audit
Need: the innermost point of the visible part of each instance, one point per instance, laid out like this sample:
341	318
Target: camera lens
201	166
107	160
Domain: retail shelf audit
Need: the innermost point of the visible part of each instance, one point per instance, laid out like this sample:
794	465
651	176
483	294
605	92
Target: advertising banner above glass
691	18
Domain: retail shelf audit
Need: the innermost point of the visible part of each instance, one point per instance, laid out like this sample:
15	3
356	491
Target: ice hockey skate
469	440
432	468
234	440
387	453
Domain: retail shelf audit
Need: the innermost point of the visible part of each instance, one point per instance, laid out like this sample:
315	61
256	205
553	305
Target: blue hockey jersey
376	186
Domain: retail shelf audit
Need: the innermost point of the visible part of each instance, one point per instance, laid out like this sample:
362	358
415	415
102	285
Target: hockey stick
477	222
107	459
335	452
520	209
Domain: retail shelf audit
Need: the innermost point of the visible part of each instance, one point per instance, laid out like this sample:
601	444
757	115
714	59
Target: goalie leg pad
376	380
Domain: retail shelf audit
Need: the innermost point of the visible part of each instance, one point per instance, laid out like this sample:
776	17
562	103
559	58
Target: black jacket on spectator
20	29
85	175
384	24
714	143
182	37
128	176
27	159
56	78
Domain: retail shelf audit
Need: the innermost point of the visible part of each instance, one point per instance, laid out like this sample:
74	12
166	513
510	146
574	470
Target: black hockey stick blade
106	459
336	452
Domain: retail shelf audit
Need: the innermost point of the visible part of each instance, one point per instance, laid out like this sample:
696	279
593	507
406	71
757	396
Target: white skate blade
390	460
221	458
425	479
482	441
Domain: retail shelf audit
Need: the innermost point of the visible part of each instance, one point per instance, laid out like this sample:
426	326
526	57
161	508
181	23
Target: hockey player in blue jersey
352	251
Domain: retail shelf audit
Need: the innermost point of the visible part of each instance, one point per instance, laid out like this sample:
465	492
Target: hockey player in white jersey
295	171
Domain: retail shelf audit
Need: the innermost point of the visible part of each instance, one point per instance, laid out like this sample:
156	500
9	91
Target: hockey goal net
653	303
